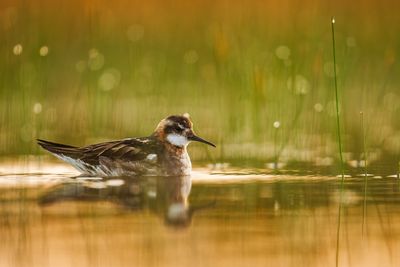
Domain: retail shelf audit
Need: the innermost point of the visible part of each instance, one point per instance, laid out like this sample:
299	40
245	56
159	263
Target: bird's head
177	130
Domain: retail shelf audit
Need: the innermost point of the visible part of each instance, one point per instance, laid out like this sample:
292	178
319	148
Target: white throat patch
177	140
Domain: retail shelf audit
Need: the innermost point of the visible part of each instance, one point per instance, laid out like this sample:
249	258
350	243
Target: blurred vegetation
255	76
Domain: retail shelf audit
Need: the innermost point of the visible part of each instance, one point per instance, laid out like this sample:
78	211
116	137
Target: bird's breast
185	164
177	163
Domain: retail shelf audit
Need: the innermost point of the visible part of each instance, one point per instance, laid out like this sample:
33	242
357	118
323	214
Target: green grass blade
339	141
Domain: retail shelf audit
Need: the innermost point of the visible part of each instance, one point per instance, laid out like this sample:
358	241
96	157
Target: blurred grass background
256	76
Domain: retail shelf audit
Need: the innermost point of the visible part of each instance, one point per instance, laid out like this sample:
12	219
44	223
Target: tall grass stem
339	141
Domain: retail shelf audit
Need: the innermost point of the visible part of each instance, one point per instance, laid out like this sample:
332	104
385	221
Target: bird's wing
134	156
126	150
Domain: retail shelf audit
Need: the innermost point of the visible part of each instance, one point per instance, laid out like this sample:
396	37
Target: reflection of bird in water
167	197
161	154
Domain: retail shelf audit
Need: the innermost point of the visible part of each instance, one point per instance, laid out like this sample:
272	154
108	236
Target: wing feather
134	149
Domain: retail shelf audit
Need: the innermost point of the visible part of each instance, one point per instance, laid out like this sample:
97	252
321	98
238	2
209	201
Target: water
225	218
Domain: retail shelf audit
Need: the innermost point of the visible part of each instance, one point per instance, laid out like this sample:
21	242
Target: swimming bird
163	153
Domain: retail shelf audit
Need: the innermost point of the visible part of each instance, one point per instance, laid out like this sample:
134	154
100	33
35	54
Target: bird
163	153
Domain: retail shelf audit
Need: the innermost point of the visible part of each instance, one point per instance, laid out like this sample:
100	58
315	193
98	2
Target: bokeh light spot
299	84
318	107
17	49
282	52
93	53
37	108
109	79
43	51
96	60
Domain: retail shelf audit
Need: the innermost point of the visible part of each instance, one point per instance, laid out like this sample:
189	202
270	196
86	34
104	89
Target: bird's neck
175	150
176	160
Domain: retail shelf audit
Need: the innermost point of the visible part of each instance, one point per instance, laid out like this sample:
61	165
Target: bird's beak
194	137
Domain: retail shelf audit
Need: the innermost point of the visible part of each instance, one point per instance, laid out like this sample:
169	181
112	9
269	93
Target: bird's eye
178	128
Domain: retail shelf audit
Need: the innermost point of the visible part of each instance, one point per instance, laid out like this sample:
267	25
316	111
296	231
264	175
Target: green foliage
86	74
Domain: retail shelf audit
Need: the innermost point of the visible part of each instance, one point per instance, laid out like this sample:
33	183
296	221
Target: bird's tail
59	149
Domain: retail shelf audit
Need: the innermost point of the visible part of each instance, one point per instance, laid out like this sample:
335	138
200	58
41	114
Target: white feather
177	140
152	157
87	168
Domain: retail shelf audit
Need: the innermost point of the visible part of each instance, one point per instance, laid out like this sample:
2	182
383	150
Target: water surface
230	218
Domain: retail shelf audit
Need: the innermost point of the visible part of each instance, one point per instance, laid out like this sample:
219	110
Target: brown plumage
162	153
